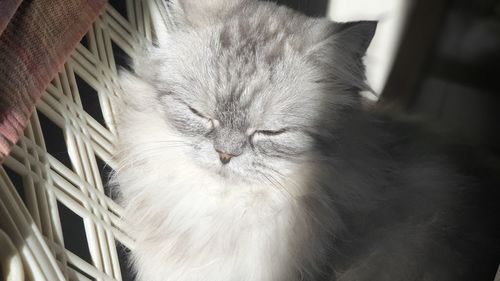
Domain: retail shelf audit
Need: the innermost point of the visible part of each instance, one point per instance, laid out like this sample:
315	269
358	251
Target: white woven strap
34	226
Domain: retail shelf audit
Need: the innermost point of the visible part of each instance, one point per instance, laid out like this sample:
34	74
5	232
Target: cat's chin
229	174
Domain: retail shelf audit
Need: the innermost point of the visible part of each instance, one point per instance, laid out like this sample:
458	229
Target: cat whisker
273	184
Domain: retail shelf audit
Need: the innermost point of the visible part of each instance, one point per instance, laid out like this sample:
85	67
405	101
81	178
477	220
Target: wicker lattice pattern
59	215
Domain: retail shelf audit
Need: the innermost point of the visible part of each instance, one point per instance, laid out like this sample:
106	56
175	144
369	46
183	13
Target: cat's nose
224	157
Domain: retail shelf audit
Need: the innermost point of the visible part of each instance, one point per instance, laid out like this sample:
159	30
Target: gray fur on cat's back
378	198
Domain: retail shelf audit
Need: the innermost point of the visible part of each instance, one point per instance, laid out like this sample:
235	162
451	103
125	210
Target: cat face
245	84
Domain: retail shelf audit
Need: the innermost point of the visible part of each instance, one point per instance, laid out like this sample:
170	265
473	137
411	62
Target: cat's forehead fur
250	69
253	64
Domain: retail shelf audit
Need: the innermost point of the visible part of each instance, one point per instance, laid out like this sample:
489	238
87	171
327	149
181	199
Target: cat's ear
350	39
202	12
175	14
340	48
355	36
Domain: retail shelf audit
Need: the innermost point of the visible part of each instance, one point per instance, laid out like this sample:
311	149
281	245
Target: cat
245	154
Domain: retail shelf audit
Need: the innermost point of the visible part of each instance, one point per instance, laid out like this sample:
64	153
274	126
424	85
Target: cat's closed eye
263	134
208	123
270	132
196	112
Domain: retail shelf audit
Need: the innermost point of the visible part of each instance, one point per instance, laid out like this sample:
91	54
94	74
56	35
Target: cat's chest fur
199	227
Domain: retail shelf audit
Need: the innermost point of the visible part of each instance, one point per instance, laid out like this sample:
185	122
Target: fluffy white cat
245	155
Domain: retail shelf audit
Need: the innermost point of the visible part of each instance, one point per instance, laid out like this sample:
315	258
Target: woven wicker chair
62	223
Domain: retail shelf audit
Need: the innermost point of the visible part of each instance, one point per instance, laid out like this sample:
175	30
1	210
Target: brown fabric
34	45
7	10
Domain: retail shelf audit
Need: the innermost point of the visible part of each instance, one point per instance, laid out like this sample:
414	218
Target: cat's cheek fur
137	94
